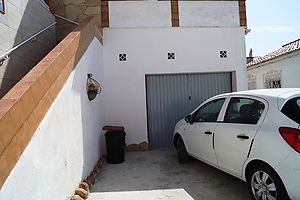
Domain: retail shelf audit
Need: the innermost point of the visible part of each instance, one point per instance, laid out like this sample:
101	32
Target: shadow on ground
156	170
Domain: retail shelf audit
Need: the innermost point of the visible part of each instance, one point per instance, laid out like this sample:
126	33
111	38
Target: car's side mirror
189	119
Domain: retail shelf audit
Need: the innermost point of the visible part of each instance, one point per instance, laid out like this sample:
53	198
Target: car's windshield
292	109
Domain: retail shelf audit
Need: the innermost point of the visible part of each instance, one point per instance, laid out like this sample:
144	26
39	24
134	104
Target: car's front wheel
265	184
183	155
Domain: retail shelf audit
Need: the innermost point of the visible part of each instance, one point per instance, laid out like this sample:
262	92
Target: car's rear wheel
265	184
183	155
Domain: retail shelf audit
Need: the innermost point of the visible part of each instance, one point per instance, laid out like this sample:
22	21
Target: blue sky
273	23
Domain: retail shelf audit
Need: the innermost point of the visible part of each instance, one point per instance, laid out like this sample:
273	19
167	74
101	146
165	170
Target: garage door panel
207	85
170	97
165	99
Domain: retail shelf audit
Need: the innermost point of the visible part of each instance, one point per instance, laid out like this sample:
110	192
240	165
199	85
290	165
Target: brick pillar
242	10
174	13
104	13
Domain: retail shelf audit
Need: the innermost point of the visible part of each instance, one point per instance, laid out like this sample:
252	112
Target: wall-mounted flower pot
93	87
92	94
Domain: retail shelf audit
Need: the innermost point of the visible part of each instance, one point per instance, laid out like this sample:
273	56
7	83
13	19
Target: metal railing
66	19
44	4
5	56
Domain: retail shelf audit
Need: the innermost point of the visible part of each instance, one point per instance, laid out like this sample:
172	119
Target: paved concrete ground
160	170
169	194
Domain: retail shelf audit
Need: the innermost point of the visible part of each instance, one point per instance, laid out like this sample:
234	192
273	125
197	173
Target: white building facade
157	61
147	38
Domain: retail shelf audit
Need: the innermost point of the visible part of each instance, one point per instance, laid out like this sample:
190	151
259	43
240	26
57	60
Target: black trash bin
115	146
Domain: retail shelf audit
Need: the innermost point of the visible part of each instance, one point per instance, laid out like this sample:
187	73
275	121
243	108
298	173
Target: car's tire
264	183
183	156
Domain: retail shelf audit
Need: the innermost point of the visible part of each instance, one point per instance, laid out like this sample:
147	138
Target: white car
253	135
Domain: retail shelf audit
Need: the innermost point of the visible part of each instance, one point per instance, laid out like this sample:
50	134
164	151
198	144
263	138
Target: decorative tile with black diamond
122	57
171	56
223	54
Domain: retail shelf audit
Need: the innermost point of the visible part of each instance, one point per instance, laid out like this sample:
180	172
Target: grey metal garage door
170	97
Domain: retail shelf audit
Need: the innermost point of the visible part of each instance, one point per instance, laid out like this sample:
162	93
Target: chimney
250	57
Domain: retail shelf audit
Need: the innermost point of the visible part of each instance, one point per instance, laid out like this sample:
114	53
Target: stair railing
5	56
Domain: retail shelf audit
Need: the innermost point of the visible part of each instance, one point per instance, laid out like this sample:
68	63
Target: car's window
244	111
292	109
209	112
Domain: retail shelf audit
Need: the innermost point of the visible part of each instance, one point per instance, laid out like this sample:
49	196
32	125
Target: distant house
279	69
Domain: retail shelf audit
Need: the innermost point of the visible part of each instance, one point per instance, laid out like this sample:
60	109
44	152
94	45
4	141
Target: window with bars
272	79
273	84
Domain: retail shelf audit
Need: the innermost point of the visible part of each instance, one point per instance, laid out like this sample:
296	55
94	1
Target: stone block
61	10
92	11
87	181
72	12
76	197
92	179
84	186
132	147
144	145
73	2
82	18
92	3
82	193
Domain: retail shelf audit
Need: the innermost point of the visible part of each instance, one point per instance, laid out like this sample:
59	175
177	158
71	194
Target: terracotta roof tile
285	49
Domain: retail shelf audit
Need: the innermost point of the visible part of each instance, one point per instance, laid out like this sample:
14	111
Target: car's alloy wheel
263	186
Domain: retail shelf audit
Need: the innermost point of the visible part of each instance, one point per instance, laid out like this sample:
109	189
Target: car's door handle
208	133
242	137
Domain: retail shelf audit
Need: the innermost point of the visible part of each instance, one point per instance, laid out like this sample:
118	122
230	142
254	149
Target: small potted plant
93	88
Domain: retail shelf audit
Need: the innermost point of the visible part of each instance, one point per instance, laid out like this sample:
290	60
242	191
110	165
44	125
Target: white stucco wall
149	13
196	50
65	146
289	66
209	13
153	13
